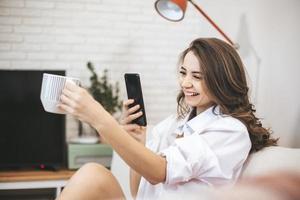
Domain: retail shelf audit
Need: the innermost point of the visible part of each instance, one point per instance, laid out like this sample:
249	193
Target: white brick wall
121	35
128	35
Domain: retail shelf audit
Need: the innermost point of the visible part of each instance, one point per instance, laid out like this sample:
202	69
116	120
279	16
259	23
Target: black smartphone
134	91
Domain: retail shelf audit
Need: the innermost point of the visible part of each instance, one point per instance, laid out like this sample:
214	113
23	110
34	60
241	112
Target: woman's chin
191	103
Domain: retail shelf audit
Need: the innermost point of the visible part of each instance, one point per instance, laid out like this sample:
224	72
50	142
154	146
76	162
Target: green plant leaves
104	92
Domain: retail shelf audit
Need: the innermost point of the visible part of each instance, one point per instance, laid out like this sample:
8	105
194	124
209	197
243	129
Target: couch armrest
270	159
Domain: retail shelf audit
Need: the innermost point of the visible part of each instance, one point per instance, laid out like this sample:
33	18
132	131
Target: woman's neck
203	108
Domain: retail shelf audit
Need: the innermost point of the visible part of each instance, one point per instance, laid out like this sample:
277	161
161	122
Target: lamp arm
213	24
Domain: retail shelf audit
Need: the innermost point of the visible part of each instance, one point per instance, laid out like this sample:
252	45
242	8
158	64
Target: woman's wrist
98	115
103	121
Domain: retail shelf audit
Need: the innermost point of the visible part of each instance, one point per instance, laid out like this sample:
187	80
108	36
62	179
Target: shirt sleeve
216	154
152	138
156	133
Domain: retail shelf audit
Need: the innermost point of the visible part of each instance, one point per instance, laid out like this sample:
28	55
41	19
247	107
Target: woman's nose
186	82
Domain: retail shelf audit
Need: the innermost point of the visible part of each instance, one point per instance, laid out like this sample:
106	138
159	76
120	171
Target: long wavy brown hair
225	78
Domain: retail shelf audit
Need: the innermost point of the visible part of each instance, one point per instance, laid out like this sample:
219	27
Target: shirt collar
180	125
198	122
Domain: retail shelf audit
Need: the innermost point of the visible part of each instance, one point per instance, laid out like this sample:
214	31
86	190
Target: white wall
128	35
279	92
274	31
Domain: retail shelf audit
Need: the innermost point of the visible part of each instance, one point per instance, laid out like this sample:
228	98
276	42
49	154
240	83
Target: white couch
271	159
265	161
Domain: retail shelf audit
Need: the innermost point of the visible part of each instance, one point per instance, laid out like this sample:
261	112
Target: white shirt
212	152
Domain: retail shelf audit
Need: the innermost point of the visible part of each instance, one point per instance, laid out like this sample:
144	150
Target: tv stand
35	179
47	168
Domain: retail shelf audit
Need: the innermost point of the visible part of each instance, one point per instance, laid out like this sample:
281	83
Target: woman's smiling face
192	83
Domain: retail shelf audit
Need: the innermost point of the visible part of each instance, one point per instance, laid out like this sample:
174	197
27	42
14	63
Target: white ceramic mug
52	86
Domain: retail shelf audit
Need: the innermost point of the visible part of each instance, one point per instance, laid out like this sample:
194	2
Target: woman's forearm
145	162
78	102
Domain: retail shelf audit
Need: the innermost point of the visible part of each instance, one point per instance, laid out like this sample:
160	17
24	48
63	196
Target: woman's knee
95	172
92	181
101	179
93	167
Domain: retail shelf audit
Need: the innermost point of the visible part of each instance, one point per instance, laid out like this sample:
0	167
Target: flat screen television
29	136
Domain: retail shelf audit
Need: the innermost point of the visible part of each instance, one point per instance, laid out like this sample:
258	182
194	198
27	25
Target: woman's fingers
126	103
65	108
79	103
68	92
131	127
130	118
71	90
70	85
74	92
73	98
130	114
67	101
133	109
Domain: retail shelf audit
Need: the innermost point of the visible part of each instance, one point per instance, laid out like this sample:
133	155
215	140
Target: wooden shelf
13	176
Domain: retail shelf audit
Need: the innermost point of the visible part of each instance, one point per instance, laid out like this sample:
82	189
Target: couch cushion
270	159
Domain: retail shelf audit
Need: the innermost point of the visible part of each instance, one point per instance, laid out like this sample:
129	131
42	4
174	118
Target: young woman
206	143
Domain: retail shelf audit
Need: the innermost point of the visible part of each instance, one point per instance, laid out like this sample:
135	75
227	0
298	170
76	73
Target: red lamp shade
172	10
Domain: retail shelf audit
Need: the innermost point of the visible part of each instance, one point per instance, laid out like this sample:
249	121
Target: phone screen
134	91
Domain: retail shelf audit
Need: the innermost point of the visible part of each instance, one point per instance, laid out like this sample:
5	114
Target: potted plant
104	92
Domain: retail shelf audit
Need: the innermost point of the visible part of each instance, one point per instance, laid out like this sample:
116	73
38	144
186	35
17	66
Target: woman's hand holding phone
129	114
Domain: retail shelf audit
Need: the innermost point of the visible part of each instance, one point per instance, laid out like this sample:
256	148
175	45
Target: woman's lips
192	94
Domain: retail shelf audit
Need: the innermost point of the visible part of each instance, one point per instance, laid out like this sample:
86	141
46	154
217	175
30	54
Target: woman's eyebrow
193	72
182	68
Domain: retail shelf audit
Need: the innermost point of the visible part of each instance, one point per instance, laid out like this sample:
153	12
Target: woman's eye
198	77
182	73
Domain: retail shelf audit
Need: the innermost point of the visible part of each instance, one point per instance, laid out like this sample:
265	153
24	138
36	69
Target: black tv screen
29	136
